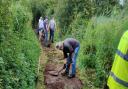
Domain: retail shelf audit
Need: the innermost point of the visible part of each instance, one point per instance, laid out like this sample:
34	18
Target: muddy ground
53	63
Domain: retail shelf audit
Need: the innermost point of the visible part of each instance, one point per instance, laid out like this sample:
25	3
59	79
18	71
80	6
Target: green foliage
104	7
19	50
41	8
99	38
69	10
98	25
99	45
81	19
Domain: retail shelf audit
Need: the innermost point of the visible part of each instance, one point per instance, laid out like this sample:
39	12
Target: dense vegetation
19	48
98	24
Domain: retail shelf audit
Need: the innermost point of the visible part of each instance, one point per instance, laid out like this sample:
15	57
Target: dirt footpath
54	63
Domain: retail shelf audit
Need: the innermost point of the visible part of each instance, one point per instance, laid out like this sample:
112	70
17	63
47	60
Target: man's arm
47	27
55	24
65	62
71	53
65	54
65	59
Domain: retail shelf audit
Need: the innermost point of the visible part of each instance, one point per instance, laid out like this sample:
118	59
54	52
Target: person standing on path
118	78
40	27
52	26
46	30
70	48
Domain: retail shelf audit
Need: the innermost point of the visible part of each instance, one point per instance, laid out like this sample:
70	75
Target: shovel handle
60	70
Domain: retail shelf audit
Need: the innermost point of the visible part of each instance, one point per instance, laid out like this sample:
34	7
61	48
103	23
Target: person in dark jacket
70	48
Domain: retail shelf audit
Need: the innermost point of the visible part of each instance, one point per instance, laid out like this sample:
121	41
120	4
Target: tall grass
99	45
99	38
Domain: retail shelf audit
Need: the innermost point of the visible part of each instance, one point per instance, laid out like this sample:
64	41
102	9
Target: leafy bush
19	50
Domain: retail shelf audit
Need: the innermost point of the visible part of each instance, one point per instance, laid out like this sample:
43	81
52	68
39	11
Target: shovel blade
53	73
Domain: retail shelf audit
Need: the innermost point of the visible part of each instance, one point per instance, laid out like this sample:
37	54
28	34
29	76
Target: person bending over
70	48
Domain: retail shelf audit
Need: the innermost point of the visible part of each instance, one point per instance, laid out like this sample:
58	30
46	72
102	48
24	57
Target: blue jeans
73	62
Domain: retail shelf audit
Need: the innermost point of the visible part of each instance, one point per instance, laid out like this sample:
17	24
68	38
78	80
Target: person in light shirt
52	26
41	27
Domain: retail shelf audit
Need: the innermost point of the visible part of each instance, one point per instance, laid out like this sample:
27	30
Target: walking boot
64	73
71	76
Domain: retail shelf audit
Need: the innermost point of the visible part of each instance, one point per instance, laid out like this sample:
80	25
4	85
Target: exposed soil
53	65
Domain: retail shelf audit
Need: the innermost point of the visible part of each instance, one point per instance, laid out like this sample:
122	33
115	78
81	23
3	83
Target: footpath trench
52	60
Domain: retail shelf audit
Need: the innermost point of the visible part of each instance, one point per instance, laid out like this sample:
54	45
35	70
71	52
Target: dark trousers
51	37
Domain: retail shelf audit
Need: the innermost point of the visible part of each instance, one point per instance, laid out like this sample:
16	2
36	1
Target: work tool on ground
56	73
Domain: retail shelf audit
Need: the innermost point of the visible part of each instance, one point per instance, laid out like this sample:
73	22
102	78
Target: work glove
64	66
70	60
